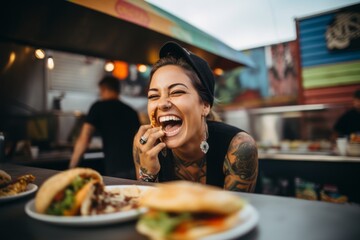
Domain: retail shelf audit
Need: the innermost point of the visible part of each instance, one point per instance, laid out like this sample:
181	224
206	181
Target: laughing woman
183	141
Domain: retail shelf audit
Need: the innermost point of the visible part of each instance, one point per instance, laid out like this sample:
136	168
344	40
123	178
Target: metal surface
311	122
284	109
280	218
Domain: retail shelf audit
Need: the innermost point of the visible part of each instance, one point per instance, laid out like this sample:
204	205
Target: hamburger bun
186	210
4	178
59	182
184	196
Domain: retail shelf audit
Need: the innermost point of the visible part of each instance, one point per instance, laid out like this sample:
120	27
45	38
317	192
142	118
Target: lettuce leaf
165	222
58	207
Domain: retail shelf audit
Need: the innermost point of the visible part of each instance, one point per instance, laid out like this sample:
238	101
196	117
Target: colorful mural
275	75
330	55
244	84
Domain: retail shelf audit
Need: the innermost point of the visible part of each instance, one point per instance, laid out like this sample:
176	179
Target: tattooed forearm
136	157
241	164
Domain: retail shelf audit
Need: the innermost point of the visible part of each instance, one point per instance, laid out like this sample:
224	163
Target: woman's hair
190	72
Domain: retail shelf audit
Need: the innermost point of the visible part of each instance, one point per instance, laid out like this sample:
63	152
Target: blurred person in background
349	122
117	124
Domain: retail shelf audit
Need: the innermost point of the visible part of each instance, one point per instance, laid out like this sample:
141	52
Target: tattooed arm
136	158
241	164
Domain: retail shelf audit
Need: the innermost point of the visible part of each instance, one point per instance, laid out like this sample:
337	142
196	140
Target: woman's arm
241	164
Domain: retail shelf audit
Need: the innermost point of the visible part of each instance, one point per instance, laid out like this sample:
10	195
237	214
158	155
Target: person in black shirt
117	124
349	122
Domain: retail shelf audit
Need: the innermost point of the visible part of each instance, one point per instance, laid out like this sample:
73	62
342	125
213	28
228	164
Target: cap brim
175	50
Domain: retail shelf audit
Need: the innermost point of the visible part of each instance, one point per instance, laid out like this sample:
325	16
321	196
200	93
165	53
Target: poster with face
282	65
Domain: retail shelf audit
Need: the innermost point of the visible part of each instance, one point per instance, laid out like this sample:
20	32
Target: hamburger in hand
185	210
64	194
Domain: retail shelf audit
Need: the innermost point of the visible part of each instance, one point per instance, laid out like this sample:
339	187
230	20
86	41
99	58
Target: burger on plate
64	193
186	210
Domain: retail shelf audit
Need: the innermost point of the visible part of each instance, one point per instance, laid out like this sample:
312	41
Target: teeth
168	118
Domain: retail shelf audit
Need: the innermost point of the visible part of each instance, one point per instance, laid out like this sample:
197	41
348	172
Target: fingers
142	130
148	139
155	150
153	135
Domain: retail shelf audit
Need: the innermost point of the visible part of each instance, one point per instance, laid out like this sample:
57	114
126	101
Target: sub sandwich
65	193
9	187
185	210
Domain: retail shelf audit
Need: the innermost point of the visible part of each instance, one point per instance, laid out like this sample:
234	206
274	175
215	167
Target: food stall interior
42	110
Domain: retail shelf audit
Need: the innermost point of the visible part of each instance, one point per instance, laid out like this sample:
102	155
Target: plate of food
78	197
185	210
13	189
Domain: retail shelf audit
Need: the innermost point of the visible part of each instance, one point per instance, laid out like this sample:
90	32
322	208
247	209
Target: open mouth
170	124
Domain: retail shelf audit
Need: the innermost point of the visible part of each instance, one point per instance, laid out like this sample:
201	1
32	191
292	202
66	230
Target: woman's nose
164	104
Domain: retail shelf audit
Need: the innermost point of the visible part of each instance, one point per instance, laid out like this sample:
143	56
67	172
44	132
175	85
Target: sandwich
186	210
153	120
9	187
64	193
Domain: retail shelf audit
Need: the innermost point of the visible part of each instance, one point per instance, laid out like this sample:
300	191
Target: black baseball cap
200	66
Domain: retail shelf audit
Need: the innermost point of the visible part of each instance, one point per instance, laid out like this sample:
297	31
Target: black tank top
220	136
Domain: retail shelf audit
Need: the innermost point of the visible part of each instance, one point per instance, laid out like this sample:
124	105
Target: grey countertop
280	218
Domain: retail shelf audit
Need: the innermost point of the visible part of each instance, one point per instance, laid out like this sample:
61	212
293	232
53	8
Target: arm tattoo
241	164
136	155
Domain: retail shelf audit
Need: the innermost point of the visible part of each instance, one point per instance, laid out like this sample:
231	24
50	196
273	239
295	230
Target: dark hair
111	83
357	94
189	71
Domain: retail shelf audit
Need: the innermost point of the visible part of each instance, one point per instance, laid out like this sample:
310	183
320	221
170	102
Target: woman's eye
177	93
153	96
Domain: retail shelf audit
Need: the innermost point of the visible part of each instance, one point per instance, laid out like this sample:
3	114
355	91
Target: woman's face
177	106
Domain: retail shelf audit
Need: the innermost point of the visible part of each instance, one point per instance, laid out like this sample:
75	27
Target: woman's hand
146	154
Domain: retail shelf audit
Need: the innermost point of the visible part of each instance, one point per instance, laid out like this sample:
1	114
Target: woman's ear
206	109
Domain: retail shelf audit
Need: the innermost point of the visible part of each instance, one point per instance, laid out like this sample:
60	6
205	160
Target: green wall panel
331	75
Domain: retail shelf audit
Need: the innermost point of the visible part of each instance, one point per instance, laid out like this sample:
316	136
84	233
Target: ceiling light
218	71
50	63
39	54
142	68
109	66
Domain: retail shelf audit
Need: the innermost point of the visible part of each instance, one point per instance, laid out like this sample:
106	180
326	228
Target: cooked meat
17	186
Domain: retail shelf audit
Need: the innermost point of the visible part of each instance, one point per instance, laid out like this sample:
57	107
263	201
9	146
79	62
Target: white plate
88	220
248	219
29	190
